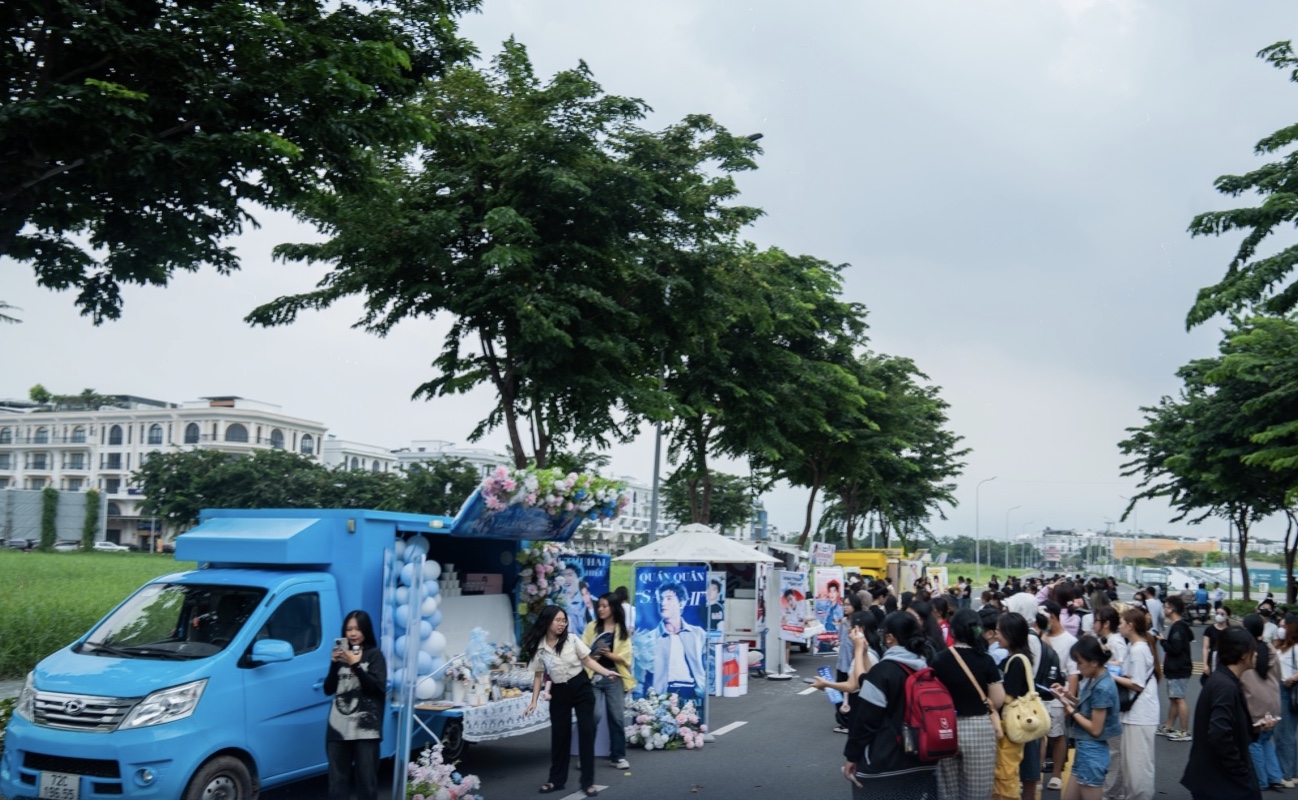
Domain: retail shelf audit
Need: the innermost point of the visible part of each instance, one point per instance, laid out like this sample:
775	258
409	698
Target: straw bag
1024	717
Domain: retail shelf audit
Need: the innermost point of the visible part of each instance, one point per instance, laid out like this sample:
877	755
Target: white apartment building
76	450
344	454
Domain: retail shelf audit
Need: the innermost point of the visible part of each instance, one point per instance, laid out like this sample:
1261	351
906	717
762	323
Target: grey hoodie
871	694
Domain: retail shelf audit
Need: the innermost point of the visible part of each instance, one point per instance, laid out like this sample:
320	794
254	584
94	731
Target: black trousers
343	753
565	698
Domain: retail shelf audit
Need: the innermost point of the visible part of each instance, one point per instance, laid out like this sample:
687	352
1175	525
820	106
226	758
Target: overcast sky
1010	181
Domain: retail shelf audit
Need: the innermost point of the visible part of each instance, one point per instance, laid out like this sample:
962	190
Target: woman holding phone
610	645
357	680
549	647
1094	717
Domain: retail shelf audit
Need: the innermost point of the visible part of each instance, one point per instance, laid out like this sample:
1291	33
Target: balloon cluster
417	618
479	653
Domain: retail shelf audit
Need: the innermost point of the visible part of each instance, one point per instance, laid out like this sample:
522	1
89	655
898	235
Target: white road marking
722	731
581	794
809	690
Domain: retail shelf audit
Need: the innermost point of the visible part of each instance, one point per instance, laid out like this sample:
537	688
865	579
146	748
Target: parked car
111	547
66	546
21	544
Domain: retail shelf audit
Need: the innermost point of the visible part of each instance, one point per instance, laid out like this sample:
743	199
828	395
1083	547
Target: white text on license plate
59	786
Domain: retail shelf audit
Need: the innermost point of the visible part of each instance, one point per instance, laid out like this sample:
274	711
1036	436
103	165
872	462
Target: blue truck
208	683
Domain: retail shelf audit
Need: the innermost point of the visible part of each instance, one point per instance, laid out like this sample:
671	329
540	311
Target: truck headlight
26	707
166	705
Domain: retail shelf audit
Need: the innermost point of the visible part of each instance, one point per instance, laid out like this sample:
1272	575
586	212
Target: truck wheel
222	778
453	744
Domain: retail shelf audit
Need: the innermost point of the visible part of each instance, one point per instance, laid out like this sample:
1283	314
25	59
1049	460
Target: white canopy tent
698	543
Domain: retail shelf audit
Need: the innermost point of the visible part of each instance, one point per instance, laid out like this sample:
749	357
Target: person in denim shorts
1093	714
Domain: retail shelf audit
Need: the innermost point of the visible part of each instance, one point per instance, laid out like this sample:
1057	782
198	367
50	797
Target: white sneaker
1055	784
622	764
788	670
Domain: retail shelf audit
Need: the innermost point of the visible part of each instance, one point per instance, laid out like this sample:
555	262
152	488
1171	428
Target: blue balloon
425	629
423	663
407	574
438	663
431	589
399	649
402	617
434	620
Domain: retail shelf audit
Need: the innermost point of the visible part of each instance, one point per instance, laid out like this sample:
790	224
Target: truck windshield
174	621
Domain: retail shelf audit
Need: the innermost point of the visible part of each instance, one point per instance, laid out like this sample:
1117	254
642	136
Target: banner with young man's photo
582	580
671	632
829	604
793	606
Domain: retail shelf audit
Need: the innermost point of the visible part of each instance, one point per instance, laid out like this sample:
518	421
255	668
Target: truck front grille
92	767
79	712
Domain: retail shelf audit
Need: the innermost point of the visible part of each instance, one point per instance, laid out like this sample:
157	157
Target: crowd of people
1100	664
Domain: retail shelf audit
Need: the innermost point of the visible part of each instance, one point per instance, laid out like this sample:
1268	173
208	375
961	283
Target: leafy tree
731	499
544	222
49	517
959	548
144	130
1193	451
39	394
762	352
1180	557
438	487
900	468
1251	280
90	525
1094	554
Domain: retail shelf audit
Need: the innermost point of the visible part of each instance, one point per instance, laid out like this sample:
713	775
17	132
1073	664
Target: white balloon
435	644
417	545
403	594
428	688
432	570
427	607
399	549
408	574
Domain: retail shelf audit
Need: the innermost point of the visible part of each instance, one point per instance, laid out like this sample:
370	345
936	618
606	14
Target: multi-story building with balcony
77	450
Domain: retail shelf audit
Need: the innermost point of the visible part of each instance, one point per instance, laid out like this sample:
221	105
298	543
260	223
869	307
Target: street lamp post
977	530
1007	538
1023	552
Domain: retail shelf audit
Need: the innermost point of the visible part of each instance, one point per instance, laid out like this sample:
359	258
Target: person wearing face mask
1220	766
1220	623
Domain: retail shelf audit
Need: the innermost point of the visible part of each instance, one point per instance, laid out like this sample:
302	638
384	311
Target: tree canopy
177	486
731	499
1253	280
548	225
137	133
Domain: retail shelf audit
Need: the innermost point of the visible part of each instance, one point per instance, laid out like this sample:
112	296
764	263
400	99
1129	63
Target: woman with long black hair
357	680
610	645
877	763
975	685
1262	694
550	648
1012	632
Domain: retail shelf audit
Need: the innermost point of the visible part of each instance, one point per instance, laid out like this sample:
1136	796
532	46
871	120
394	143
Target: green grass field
47	600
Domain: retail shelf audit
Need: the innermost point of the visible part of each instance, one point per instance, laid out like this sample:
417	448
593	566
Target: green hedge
91	524
49	516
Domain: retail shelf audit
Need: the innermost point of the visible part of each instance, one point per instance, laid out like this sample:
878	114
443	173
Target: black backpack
1049	671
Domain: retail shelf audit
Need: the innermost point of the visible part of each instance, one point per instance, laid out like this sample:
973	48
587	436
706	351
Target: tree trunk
1290	548
851	530
1241	527
505	389
811	505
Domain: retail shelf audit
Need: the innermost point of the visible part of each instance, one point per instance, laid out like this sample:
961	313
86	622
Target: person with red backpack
904	720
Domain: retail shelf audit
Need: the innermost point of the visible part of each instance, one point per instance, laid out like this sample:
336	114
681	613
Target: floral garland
431	778
556	493
537	587
660	722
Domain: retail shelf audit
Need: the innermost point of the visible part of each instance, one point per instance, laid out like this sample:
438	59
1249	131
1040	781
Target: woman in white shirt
1285	739
549	647
1140	673
1105	627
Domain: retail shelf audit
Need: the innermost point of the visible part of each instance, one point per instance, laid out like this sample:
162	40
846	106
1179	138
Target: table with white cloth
500	719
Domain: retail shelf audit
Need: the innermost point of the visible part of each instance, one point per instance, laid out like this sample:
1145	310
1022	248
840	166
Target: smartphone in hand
341	643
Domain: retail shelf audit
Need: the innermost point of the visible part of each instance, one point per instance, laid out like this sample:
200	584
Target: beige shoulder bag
991	712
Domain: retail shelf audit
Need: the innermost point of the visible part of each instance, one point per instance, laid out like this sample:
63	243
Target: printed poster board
671	606
793	606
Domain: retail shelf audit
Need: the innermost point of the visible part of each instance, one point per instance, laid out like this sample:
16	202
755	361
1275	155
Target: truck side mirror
270	651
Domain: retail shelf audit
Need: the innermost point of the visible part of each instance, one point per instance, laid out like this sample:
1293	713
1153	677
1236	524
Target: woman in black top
358	679
970	772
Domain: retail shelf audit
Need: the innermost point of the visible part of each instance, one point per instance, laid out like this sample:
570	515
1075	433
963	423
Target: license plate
59	786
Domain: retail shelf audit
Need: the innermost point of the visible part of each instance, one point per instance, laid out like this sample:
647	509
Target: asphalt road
780	745
777	743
